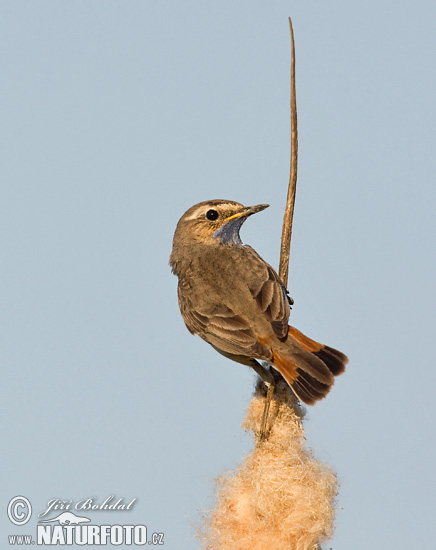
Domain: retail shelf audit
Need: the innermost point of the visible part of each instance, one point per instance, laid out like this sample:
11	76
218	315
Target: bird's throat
229	232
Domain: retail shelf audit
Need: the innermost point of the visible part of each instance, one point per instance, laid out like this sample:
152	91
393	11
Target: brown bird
234	300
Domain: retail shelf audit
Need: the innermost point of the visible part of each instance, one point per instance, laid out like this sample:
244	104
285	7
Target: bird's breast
220	275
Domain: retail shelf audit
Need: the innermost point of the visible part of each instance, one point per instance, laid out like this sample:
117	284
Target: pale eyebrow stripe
196	212
204	208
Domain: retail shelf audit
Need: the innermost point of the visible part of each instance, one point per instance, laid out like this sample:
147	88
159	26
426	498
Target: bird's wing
269	293
221	327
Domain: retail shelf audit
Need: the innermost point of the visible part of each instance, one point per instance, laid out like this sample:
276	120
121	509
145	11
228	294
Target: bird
234	300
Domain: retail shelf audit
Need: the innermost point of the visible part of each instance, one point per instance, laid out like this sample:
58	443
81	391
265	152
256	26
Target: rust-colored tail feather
310	367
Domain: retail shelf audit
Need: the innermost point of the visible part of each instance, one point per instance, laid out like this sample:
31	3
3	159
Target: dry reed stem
292	187
281	497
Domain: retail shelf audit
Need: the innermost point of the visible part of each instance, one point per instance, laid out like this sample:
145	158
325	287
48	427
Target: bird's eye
212	215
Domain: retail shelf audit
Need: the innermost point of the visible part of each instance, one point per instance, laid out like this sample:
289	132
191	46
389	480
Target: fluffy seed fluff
280	497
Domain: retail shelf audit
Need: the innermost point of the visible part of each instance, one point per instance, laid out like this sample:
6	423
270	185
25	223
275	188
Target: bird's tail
310	367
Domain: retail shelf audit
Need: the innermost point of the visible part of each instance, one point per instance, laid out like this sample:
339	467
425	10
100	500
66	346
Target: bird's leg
267	377
269	394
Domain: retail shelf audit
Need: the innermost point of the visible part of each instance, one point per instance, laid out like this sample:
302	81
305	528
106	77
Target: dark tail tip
310	390
334	359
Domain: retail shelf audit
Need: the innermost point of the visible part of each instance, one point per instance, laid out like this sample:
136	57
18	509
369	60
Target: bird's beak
247	211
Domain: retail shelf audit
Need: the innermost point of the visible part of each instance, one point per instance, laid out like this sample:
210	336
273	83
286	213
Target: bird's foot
264	433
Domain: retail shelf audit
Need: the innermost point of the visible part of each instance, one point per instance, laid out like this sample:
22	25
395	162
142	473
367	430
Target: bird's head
214	222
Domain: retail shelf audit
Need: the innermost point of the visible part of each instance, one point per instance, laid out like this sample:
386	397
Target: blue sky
116	118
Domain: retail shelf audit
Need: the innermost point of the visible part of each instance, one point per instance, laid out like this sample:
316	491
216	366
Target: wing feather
270	295
222	328
229	330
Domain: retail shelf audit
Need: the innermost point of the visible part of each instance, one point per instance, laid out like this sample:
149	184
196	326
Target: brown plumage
235	301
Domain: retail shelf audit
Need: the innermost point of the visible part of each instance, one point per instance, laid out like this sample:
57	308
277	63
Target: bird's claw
290	300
